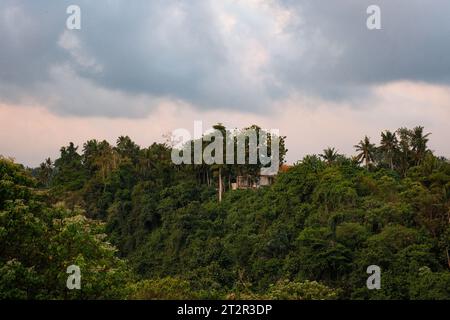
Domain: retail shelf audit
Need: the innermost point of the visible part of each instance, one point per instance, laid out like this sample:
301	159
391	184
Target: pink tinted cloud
30	134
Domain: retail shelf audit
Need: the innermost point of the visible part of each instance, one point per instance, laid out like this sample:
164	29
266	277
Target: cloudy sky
309	68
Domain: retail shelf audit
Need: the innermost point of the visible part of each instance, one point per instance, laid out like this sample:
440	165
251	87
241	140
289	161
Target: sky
143	68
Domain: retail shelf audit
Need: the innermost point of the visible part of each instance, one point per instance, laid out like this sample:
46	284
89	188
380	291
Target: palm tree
45	172
405	154
330	155
220	127
389	147
419	142
366	151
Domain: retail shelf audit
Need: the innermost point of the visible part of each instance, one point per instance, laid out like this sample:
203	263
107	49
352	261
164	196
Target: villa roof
285	167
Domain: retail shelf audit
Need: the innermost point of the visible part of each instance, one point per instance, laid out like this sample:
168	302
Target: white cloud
70	41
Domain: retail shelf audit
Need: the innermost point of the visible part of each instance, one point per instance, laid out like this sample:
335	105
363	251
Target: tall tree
389	147
330	155
219	167
405	155
126	148
366	151
419	142
69	170
45	172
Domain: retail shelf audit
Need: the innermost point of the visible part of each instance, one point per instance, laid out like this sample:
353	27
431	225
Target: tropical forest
139	226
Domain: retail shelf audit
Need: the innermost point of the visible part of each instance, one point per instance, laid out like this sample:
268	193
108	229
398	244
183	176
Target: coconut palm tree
419	142
389	147
330	155
366	151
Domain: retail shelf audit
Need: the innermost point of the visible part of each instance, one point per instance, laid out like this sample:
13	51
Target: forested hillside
141	227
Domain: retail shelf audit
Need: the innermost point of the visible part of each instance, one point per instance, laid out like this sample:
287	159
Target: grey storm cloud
341	54
178	50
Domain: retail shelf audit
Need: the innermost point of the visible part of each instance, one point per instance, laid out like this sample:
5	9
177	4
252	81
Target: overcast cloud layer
240	55
282	63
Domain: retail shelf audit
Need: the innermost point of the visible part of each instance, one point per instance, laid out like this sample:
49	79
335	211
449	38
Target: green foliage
430	285
310	235
167	288
308	290
38	242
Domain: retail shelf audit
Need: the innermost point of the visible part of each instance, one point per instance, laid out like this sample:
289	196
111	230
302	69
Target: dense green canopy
310	235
